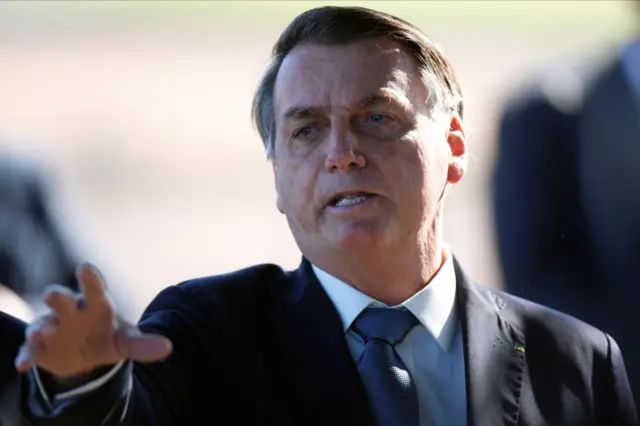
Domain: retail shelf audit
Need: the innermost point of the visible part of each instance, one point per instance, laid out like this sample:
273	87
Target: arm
162	393
12	331
615	405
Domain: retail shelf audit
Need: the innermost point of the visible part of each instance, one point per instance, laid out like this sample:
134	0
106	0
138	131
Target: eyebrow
303	111
375	99
300	112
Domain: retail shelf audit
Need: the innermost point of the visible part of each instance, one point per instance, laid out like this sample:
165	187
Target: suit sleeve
614	400
52	398
159	394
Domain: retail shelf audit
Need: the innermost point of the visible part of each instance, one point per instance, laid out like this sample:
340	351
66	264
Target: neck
393	275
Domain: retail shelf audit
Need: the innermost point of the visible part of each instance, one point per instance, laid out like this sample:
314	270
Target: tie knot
390	325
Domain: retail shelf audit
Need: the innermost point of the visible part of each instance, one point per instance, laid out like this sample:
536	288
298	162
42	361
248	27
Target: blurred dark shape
33	251
566	196
12	336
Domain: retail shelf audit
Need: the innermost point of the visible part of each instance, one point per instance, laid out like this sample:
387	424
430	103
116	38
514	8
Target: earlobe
457	168
279	202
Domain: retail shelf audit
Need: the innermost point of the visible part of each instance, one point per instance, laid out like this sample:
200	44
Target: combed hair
336	25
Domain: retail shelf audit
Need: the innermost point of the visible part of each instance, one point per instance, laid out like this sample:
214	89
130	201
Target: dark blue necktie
389	386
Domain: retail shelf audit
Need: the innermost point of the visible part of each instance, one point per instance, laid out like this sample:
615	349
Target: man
565	192
33	248
361	115
12	332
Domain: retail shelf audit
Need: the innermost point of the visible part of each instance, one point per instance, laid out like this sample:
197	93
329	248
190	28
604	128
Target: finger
140	347
92	285
41	327
23	362
61	300
29	355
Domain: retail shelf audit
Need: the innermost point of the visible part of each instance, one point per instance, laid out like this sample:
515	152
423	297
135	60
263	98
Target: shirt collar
434	305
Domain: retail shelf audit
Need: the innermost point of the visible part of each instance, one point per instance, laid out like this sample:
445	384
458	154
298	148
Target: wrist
59	384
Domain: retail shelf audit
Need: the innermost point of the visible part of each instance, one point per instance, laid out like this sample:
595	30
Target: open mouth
350	199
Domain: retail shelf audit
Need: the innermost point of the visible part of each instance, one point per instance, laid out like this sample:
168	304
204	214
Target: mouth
348	199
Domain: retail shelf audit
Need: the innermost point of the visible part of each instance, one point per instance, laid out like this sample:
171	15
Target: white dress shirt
432	351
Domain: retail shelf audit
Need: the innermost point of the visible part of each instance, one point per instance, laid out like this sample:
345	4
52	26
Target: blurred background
137	114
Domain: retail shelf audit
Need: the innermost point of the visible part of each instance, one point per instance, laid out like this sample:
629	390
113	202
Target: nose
343	155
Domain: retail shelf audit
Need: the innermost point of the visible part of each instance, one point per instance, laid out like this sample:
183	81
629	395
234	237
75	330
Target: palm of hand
83	333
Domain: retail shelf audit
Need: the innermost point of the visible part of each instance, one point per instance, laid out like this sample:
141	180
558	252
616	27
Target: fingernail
157	345
151	347
34	337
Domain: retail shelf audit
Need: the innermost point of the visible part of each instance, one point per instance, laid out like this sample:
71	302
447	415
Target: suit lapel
323	379
324	384
494	356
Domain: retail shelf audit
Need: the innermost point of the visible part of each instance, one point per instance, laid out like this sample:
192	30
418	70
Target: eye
305	132
378	118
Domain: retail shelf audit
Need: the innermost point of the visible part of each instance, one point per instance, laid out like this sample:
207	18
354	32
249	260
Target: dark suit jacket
566	202
263	346
11	337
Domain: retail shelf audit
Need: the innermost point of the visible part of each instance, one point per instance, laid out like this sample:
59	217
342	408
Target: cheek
420	176
295	189
414	167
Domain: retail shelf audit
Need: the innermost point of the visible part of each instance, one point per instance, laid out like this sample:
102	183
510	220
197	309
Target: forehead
342	75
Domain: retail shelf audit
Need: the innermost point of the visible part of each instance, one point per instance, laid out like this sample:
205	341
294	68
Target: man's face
359	161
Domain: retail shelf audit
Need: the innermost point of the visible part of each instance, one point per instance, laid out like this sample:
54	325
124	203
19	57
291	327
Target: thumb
134	345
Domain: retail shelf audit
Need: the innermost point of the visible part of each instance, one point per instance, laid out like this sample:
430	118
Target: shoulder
579	365
20	172
560	88
548	332
234	294
241	288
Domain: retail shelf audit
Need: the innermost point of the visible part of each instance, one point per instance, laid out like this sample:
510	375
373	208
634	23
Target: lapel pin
519	348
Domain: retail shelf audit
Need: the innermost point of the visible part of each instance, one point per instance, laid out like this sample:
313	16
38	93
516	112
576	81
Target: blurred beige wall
14	305
140	111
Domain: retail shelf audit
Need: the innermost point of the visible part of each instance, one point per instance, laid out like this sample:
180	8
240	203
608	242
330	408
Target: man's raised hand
83	332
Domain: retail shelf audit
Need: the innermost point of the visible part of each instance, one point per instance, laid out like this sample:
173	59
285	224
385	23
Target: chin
358	235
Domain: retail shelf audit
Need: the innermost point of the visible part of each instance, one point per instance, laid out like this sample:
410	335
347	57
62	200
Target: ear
279	203
458	148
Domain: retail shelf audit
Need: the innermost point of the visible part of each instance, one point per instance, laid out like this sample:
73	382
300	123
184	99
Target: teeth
351	200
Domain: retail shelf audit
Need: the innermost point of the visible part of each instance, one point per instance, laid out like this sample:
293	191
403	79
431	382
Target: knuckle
81	302
41	324
56	291
53	297
31	333
36	352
